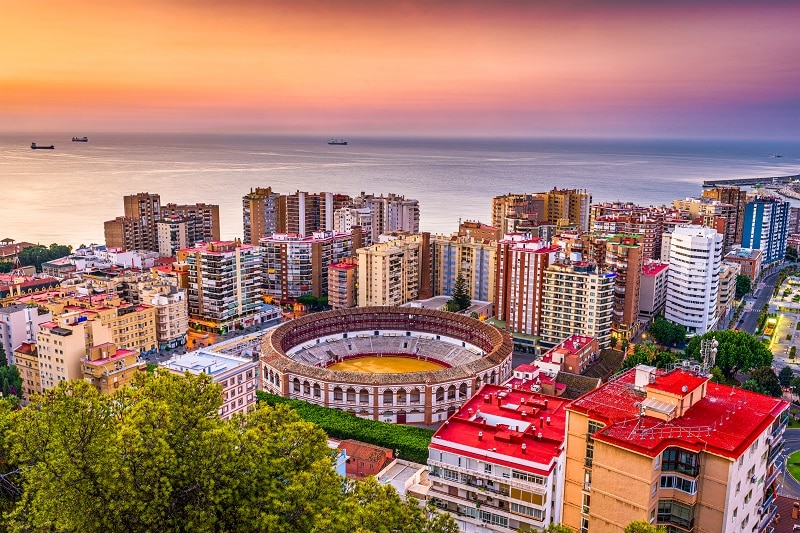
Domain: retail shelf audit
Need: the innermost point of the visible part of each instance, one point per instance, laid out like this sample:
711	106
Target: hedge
410	442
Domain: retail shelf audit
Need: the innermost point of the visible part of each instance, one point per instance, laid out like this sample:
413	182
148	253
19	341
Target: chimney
522	401
548	420
480	435
539	435
524	446
541	421
523	414
796	510
486	399
546	401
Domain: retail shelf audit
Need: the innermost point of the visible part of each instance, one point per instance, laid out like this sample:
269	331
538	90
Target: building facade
223	285
294	266
695	258
259	214
577	299
653	288
748	259
107	368
672	448
765	221
343	284
391	273
497	463
521	264
19	323
470	257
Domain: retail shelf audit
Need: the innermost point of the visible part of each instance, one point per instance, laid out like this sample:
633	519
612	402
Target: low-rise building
238	377
364	459
343	284
748	259
574	354
27	361
107	368
497	463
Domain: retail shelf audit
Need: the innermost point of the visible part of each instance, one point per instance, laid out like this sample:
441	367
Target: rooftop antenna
708	352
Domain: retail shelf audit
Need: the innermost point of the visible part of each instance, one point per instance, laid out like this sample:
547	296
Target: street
749	319
790	487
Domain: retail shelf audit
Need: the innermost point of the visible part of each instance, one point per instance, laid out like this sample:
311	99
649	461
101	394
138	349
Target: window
678	460
487	468
689	486
677	513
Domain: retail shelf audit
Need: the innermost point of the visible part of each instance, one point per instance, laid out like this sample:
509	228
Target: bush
410	442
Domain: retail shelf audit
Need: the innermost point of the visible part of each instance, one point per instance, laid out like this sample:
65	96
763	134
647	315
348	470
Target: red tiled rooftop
725	422
343	266
652	269
502	424
26	347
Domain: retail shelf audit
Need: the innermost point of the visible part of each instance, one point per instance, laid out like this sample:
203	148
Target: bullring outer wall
414	397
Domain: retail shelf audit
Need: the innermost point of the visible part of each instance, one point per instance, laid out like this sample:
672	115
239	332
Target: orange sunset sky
612	68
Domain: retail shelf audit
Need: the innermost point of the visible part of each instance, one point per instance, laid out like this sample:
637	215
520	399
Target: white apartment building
695	258
346	218
19	323
172	314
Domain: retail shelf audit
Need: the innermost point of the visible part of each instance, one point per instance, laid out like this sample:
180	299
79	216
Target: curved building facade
419	365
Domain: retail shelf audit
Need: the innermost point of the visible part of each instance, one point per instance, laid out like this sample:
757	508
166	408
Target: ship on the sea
80	139
337	141
34	146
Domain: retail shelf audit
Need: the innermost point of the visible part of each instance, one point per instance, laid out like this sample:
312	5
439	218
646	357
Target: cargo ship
337	141
35	147
80	139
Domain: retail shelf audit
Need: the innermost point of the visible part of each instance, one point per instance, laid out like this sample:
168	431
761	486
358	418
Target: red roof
343	266
724	422
495	423
652	269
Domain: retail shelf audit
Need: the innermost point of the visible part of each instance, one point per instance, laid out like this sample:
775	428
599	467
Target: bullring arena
395	364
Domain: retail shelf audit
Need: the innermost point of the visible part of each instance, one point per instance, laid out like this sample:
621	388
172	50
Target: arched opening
351	395
387	397
415	394
440	394
451	392
337	394
401	396
306	388
363	396
317	391
462	391
296	385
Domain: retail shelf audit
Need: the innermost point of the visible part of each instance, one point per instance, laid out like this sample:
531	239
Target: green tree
647	353
6	266
460	297
3	356
743	286
737	351
665	332
157	456
766	382
785	376
624	345
791	254
614	342
642	526
38	254
553	527
369	506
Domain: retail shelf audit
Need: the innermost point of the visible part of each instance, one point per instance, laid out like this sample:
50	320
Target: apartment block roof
507	426
724	421
214	364
653	269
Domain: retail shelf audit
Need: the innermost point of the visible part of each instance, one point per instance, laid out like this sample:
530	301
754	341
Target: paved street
790	487
749	319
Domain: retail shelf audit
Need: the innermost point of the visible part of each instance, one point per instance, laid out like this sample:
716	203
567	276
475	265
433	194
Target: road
790	486
749	319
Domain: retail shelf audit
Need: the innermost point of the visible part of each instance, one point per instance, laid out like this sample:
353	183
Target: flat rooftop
203	361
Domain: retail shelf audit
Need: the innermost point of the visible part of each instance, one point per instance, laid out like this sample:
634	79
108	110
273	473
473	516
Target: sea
64	195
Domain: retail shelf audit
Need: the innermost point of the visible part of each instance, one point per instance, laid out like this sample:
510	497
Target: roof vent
684	389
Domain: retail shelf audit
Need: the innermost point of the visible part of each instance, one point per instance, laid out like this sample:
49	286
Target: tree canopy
156	456
642	526
460	299
737	351
765	381
785	376
743	286
665	332
38	254
647	353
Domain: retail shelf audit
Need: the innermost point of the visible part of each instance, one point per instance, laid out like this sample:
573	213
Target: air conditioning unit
753	479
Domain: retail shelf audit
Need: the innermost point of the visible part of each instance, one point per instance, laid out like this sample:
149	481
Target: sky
613	68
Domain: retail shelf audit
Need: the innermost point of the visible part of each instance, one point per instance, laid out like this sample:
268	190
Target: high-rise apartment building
343	284
695	257
712	214
497	464
624	258
521	265
391	272
727	287
259	214
472	258
672	448
568	204
172	234
390	213
294	266
137	228
224	285
764	227
577	299
27	360
735	197
510	207
172	314
347	219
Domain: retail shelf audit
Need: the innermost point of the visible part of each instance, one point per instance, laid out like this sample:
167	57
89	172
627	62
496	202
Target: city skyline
660	69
